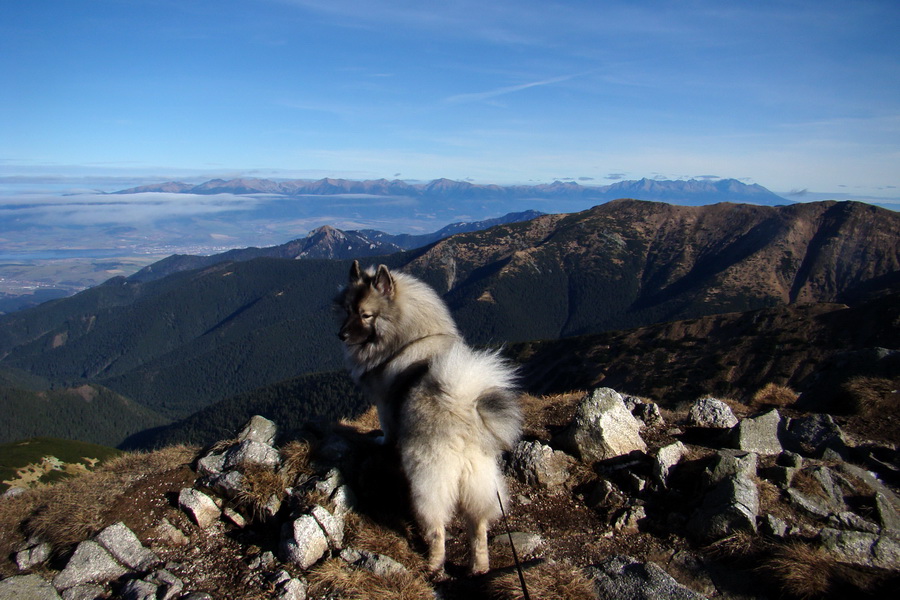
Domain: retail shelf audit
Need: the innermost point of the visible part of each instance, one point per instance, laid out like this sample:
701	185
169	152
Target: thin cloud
512	89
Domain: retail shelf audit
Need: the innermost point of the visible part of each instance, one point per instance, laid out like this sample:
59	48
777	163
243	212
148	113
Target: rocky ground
610	497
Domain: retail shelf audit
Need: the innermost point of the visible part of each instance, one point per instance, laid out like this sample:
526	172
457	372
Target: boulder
85	591
35	555
711	413
620	577
259	429
377	564
199	507
862	549
292	589
250	452
813	435
727	463
332	525
666	458
32	587
91	562
730	505
603	428
303	542
126	548
758	434
537	464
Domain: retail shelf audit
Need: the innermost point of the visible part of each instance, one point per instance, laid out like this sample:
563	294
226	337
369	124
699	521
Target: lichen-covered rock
863	549
35	555
378	564
666	458
303	542
603	428
30	587
540	465
759	434
813	434
711	413
126	548
91	562
620	577
259	429
199	507
250	452
730	462
731	505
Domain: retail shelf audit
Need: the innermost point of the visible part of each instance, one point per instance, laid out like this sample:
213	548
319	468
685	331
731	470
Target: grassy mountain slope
45	460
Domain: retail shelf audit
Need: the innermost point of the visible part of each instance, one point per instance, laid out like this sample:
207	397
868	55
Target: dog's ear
355	273
384	283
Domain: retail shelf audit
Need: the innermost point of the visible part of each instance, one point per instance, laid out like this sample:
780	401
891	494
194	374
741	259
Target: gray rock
234	517
827	501
199	507
647	412
228	484
168	585
622	577
887	514
292	589
90	563
211	464
603	428
629	518
33	556
813	434
259	429
863	549
196	596
330	482
537	464
344	500
711	413
303	542
606	497
138	589
853	522
813	505
30	587
758	434
730	505
12	492
250	452
525	543
126	548
378	564
727	463
870	480
170	534
85	591
332	525
666	458
773	526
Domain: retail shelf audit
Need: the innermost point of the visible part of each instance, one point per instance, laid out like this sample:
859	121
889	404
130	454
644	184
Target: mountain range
186	341
691	192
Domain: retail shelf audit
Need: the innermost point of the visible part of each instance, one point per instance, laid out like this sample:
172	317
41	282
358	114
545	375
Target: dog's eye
367	316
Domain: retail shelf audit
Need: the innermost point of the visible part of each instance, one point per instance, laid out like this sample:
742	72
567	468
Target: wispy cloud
502	91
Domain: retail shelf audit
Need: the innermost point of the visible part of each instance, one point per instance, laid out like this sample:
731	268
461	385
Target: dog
450	410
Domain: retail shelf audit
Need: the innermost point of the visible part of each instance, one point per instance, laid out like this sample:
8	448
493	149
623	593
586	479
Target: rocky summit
611	496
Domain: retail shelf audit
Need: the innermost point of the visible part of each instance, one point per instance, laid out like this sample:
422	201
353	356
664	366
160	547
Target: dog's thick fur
450	410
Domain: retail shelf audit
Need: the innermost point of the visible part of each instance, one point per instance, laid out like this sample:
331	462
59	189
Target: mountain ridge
692	192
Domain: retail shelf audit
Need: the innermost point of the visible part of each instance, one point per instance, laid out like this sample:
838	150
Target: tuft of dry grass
364	423
864	395
259	485
295	458
738	545
558	580
72	510
801	570
336	579
772	394
364	534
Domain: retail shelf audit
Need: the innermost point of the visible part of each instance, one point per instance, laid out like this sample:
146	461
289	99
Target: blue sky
793	95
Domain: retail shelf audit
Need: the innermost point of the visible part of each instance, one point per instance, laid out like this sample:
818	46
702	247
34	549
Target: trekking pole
513	547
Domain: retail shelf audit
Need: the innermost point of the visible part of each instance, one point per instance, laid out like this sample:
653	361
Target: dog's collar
384	364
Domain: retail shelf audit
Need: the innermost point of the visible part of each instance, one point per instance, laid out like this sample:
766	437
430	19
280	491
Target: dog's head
366	300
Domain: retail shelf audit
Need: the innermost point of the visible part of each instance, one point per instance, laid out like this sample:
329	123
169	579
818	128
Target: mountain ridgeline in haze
693	192
327	242
183	342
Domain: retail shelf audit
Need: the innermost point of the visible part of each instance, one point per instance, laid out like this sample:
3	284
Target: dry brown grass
738	545
295	458
801	570
864	395
364	534
557	580
336	579
774	395
74	509
364	423
260	484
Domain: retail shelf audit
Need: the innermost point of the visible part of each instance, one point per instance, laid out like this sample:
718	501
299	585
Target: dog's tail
486	379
